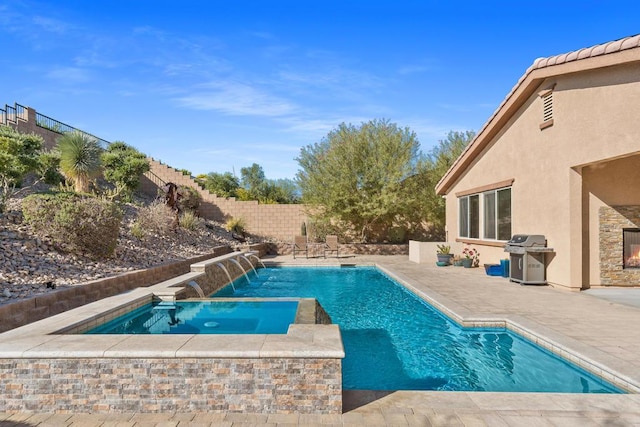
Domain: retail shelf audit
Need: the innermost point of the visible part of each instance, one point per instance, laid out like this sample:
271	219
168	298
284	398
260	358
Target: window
470	216
495	220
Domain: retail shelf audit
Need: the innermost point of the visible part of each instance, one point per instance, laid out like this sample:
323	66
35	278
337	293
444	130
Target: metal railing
54	125
155	179
11	114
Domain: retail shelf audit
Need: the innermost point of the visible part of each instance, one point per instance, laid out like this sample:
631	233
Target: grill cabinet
526	263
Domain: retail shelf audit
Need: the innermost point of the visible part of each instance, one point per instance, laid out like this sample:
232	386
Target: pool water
395	341
205	317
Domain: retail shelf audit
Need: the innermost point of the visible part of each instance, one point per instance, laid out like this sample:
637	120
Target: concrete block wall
27	124
279	222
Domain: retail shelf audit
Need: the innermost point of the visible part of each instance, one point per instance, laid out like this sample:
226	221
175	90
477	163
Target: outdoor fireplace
631	247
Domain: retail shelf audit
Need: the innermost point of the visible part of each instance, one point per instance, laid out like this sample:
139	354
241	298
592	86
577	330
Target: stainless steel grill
527	264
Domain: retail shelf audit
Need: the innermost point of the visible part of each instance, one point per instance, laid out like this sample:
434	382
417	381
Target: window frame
494	195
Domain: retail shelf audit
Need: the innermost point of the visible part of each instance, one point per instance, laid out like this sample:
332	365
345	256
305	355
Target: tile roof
631	42
588	52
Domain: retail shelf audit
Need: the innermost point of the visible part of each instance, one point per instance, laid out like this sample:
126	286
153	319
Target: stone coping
49	338
59	336
583	355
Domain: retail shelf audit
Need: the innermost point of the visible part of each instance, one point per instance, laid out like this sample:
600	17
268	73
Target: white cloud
237	99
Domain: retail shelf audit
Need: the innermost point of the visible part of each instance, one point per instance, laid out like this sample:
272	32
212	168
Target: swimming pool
395	341
205	317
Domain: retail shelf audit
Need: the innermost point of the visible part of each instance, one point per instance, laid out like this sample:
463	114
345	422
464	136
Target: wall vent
547	108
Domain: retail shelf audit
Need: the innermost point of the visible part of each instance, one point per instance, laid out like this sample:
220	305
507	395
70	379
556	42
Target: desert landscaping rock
28	263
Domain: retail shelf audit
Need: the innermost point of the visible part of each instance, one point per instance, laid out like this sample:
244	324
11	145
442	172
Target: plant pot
457	263
467	263
444	258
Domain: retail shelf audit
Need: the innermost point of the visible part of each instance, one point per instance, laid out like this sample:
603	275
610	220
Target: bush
235	225
189	199
189	220
155	218
123	165
82	225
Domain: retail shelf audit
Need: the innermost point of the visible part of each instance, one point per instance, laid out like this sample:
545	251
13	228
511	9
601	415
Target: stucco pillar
576	238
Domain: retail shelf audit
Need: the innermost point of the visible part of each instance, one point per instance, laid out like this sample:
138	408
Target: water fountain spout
250	265
227	273
197	287
259	260
241	268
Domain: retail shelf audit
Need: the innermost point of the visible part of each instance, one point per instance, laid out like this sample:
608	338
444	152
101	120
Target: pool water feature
205	317
395	341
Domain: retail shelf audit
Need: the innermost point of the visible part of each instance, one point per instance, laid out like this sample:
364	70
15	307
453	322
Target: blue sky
218	85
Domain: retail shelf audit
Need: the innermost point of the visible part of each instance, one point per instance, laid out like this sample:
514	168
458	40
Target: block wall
279	222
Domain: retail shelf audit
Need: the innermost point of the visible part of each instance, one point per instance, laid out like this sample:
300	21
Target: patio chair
331	245
300	245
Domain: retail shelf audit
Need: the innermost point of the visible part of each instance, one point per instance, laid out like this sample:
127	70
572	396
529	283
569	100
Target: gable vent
547	107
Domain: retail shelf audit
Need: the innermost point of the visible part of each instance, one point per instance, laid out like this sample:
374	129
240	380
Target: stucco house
559	157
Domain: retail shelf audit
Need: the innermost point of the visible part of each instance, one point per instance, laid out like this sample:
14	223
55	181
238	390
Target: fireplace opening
631	247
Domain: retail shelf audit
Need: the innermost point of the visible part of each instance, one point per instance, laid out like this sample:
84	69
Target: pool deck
603	332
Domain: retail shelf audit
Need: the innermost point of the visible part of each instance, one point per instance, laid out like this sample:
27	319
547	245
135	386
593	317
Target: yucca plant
79	159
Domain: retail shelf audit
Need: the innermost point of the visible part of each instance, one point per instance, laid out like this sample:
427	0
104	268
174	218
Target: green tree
122	166
425	210
221	184
252	177
19	155
79	159
354	176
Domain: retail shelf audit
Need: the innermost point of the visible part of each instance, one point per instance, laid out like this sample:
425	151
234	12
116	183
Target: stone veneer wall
103	385
280	222
612	220
39	307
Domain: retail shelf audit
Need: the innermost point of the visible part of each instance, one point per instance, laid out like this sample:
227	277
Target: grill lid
527	240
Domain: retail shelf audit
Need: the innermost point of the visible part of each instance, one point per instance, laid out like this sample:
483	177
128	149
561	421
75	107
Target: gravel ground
30	265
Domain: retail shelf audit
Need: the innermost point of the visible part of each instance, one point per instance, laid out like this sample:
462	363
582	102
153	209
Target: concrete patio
600	331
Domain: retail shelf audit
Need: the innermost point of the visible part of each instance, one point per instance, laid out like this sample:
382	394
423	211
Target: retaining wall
42	306
280	222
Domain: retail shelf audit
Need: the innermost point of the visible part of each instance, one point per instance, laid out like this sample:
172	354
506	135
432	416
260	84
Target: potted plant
444	254
457	261
471	257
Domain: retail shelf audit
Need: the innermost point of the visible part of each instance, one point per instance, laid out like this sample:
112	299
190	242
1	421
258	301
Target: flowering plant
471	253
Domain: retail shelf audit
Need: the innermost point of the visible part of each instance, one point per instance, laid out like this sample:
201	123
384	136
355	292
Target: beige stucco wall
595	119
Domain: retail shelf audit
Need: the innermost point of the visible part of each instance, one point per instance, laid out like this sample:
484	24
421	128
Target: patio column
578	241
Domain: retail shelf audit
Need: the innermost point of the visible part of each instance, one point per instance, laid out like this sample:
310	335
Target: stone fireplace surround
613	220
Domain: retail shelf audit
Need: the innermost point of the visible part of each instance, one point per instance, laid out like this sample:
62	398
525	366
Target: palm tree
79	158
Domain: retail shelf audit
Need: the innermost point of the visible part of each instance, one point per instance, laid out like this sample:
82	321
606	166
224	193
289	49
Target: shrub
189	199
189	220
123	165
137	230
79	159
235	225
155	218
82	225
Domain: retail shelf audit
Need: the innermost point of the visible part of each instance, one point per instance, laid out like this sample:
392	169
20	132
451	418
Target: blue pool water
205	317
395	341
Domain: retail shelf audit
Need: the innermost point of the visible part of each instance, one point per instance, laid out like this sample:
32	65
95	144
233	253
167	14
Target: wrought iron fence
11	114
59	127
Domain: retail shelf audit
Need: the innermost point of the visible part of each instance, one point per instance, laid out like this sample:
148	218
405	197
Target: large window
495	221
